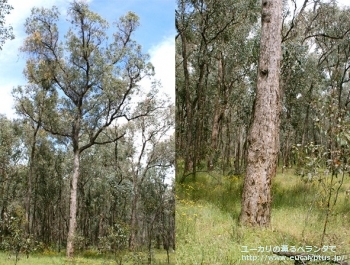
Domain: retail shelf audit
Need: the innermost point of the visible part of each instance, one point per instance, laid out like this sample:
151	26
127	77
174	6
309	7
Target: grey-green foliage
10	152
11	158
12	231
6	32
152	155
315	77
95	77
116	238
217	45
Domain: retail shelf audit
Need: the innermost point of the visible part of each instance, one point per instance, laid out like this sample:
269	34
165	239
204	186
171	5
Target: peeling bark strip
264	132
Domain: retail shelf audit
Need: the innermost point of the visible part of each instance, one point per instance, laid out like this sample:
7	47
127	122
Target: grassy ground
56	259
208	232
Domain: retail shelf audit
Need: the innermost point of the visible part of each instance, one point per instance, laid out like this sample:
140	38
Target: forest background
217	60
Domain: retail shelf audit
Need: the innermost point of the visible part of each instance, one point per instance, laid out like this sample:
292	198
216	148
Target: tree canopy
5	31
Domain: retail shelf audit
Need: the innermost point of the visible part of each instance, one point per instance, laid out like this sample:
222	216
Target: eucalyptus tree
329	32
263	136
157	210
183	90
151	156
33	103
315	66
90	80
49	184
12	172
10	156
5	32
211	75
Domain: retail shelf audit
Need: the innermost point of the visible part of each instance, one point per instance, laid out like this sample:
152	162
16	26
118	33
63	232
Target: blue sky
155	34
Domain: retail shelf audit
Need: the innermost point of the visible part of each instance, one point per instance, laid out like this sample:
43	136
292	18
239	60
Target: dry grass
208	232
59	259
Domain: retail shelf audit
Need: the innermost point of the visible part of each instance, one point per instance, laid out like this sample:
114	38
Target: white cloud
6	106
22	10
343	3
163	60
11	75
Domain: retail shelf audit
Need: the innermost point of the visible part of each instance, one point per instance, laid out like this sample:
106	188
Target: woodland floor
208	232
51	258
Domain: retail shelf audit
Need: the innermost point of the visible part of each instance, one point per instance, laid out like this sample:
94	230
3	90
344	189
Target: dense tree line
216	64
217	86
87	163
214	72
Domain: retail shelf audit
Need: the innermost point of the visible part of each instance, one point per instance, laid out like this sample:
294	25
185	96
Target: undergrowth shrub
91	253
14	239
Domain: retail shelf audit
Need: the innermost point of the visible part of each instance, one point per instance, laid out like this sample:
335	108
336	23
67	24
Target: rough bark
264	132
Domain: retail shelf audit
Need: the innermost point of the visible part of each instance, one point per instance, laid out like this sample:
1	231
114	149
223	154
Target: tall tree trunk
226	160
264	132
30	181
198	136
305	130
237	163
218	113
73	205
187	139
133	220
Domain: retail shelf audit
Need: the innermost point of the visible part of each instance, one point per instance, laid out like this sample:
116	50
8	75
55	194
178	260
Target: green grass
207	226
52	258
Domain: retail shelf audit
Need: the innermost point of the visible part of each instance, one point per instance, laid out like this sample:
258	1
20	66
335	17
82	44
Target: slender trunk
73	205
217	117
188	124
198	136
3	200
100	226
60	230
30	180
226	160
214	135
189	119
287	151
34	227
133	221
264	133
305	130
237	163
